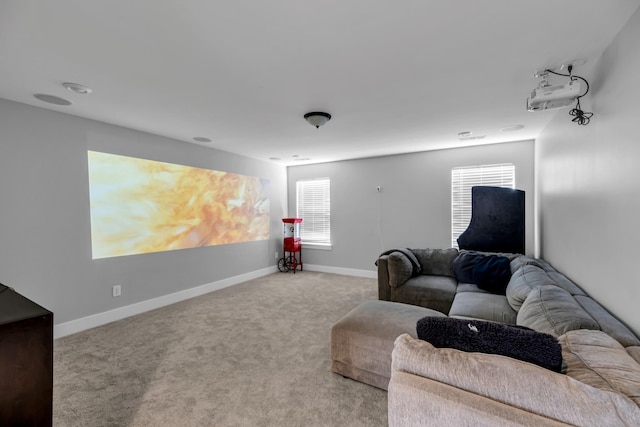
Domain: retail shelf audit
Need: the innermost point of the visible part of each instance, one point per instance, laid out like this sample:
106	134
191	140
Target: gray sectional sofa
537	296
377	343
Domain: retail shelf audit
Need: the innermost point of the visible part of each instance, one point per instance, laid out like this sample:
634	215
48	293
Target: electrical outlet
117	291
276	254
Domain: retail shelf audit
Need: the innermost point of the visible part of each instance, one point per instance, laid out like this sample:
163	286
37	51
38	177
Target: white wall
45	240
414	207
589	183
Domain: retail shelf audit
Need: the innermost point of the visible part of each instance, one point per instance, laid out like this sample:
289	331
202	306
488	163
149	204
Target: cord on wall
580	117
379	190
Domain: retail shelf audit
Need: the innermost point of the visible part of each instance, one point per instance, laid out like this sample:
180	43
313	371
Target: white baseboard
78	325
340	270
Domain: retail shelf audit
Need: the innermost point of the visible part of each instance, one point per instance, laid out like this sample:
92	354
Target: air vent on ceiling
471	138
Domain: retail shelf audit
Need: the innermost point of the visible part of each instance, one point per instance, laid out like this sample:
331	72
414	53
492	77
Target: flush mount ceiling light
51	99
317	118
77	88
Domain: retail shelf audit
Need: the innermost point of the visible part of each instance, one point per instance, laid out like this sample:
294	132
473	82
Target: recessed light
202	139
512	128
276	159
465	134
51	99
301	159
77	88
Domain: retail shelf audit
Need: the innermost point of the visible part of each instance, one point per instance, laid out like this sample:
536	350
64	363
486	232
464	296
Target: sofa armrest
384	289
418	401
521	386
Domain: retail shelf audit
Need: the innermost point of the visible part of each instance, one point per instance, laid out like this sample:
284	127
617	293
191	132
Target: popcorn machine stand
292	246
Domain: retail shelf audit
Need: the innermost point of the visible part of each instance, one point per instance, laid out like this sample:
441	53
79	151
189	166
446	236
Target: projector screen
141	206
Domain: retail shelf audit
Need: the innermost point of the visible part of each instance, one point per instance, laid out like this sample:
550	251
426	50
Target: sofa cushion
400	269
595	358
608	324
523	281
553	310
557	278
434	292
521	260
484	306
494	338
438	262
562	281
634	351
469	287
362	341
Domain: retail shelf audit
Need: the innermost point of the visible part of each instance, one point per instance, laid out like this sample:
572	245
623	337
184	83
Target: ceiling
397	76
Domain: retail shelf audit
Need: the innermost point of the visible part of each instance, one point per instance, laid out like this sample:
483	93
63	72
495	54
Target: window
313	205
462	179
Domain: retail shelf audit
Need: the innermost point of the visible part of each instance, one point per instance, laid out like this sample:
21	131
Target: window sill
320	246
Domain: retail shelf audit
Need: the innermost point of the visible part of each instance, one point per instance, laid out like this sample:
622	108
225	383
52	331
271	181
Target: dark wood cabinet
26	361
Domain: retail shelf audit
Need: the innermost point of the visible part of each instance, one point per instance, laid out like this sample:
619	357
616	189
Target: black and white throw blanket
410	255
479	336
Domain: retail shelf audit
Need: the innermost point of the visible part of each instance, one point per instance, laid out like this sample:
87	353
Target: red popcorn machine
292	246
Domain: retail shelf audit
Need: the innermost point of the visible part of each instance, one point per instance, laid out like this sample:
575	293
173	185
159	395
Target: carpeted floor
253	354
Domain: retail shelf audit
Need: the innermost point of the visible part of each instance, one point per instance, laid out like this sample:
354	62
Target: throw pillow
493	338
463	266
492	273
400	269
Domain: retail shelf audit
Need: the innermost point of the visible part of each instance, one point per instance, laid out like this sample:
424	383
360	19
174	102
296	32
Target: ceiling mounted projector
548	97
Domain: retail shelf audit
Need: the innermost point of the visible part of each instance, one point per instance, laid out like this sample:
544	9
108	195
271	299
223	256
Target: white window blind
313	204
462	179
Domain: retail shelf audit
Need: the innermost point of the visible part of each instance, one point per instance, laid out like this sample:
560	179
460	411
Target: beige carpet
253	354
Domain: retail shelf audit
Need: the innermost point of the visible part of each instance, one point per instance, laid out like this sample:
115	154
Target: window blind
313	205
462	179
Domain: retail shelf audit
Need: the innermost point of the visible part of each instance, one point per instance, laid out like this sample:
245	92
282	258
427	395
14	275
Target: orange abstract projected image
141	206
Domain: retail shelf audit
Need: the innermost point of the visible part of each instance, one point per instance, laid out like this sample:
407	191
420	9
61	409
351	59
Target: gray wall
45	240
414	207
589	183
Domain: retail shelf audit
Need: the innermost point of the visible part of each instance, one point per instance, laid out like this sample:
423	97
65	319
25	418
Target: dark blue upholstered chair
497	221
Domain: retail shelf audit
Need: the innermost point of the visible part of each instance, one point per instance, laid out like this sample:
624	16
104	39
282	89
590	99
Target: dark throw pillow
479	336
463	266
489	271
492	273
